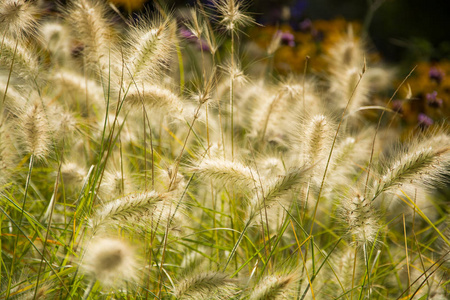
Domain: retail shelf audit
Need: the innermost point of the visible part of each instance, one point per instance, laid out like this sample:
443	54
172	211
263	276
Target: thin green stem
10	72
53	201
89	289
27	184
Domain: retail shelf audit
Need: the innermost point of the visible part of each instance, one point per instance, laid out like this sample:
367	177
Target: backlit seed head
17	17
110	261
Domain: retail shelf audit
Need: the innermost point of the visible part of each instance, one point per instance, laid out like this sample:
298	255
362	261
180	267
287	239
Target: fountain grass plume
346	53
117	180
90	25
12	98
273	287
137	208
226	171
231	14
155	97
20	58
72	173
76	90
313	138
206	285
33	129
55	39
422	162
110	261
358	215
149	46
6	152
18	18
273	189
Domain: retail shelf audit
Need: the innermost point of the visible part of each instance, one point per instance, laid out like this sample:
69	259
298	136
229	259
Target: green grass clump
148	159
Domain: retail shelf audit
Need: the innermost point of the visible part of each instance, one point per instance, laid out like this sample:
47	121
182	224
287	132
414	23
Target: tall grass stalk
16	240
332	147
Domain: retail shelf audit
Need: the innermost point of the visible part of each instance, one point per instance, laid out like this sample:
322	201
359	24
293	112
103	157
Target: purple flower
287	38
433	100
188	35
424	120
305	25
397	106
436	74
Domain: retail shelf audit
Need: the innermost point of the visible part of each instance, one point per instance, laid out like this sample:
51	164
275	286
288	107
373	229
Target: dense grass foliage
147	158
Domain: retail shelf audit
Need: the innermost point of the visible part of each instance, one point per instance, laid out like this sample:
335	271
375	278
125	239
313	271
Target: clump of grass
132	150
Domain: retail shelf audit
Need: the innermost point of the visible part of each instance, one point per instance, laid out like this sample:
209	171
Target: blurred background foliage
400	29
402	34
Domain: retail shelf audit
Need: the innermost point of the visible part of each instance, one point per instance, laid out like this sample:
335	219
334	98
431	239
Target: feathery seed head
231	14
175	184
236	73
379	78
155	97
271	166
54	38
302	96
359	216
206	285
91	26
6	152
316	138
216	150
204	91
274	43
75	89
275	189
150	46
425	159
17	17
33	130
25	61
72	173
227	171
273	287
64	124
137	208
350	153
346	53
195	23
13	99
115	183
110	261
345	88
